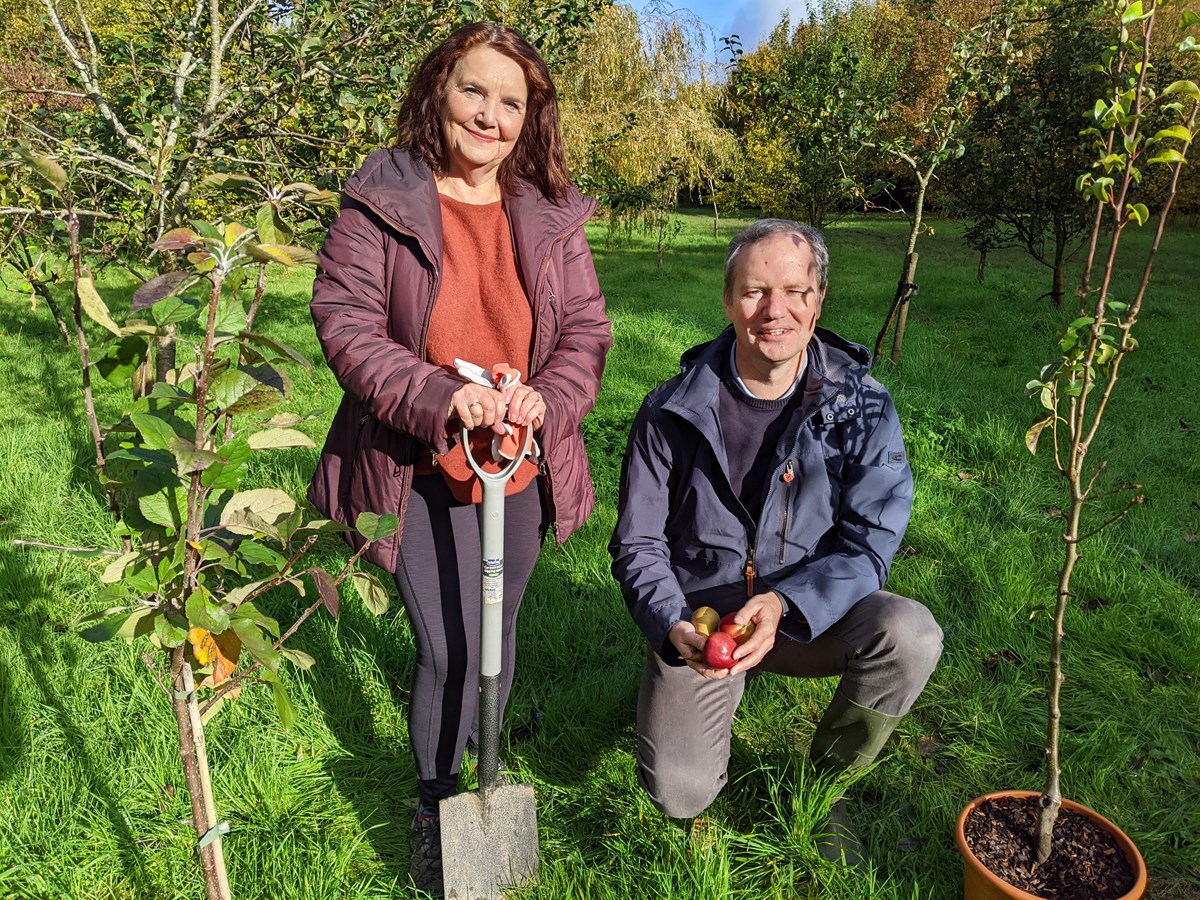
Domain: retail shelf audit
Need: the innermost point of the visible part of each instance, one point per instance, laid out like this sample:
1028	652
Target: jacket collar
836	368
403	191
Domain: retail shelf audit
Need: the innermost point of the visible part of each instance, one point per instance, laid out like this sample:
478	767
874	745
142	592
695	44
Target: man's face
774	303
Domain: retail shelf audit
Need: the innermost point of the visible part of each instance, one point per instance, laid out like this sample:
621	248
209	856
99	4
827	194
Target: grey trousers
884	649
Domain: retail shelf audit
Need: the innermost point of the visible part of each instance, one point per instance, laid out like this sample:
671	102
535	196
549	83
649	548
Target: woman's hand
525	406
479	407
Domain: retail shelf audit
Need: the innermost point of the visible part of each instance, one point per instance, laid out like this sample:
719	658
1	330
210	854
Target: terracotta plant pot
979	883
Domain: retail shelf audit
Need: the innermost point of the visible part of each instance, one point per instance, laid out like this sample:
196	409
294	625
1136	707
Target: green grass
91	791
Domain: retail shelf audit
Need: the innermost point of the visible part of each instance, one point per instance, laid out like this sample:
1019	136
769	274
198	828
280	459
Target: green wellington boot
849	737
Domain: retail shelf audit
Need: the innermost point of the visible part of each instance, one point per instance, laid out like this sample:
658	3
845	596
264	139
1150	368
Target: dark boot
425	843
849	737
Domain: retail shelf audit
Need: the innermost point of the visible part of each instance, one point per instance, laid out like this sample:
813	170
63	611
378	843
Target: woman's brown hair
538	156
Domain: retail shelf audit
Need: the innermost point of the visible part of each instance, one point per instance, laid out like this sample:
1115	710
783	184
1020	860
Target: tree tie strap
183	695
213	833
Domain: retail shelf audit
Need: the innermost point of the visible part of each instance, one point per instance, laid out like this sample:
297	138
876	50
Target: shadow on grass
47	651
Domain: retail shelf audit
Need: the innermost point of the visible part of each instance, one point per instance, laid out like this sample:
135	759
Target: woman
463	241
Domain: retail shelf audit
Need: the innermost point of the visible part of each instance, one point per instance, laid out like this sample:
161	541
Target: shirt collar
742	385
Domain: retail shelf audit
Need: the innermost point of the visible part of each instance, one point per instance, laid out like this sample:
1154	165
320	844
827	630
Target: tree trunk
903	288
983	255
1059	289
191	770
905	293
712	190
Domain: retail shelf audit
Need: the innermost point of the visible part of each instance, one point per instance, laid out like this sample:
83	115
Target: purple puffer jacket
376	285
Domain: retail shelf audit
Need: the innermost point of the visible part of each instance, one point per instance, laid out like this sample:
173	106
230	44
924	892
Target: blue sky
751	20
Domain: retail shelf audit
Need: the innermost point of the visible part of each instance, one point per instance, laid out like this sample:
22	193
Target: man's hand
690	644
765	611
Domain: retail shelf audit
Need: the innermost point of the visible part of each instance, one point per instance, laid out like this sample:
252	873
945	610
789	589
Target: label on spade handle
493	581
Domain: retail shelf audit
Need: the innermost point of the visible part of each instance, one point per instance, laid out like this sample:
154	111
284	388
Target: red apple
738	632
718	650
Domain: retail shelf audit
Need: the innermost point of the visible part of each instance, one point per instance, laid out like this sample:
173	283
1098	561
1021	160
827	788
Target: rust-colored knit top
481	315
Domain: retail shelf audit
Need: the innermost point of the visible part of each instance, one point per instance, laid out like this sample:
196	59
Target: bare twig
1136	501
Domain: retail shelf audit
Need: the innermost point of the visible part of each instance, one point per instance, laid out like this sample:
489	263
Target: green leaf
279	347
271	227
255	641
259	510
169	634
375	527
122	359
46	168
127	623
258	554
229	473
156	432
1046	397
281	253
93	304
371	591
248	388
278	439
173	310
204	613
233	232
1169	156
189	458
297	658
1188	45
1190	18
231	316
251	613
161	509
1176	132
225	181
1187	88
287	713
1138	212
1133	12
115	570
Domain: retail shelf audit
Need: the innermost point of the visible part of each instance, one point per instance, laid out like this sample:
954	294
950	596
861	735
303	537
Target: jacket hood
403	191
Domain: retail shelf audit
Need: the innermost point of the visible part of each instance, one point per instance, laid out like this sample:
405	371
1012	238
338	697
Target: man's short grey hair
765	228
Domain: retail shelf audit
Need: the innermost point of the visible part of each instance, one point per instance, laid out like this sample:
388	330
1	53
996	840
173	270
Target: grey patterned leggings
438	576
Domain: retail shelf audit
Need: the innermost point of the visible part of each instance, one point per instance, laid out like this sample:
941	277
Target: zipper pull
750	574
789	474
433	456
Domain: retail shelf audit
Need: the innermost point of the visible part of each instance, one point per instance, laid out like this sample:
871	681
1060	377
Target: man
769	478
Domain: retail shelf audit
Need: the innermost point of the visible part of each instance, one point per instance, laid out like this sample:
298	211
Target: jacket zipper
788	475
749	572
785	516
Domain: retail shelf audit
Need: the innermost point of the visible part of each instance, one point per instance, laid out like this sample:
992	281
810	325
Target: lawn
91	790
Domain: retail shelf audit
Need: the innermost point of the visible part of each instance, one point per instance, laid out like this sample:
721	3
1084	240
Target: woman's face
483	111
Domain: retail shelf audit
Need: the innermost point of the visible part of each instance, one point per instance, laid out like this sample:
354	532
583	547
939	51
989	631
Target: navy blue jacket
825	538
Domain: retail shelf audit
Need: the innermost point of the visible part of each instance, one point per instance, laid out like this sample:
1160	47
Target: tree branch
90	84
1136	501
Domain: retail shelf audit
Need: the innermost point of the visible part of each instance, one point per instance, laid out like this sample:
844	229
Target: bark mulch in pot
1086	863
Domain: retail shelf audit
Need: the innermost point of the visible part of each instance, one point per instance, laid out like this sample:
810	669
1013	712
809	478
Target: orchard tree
638	109
1078	386
1024	152
805	105
931	133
